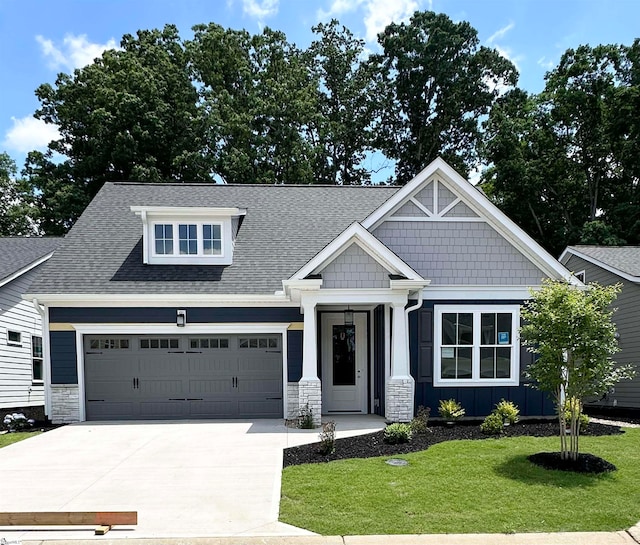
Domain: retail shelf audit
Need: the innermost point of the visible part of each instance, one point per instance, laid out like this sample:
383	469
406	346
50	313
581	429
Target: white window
211	239
163	239
477	345
581	276
14	338
182	240
36	358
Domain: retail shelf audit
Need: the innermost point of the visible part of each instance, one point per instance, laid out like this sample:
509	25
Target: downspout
407	311
45	356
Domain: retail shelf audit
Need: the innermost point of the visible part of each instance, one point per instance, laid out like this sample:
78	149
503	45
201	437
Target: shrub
397	433
583	419
508	411
420	423
17	422
305	418
450	410
493	424
328	438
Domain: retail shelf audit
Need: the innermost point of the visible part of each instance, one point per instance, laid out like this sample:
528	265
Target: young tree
16	216
571	331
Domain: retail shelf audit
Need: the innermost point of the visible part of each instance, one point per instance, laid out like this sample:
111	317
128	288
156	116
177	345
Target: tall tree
130	115
258	100
17	218
436	83
342	134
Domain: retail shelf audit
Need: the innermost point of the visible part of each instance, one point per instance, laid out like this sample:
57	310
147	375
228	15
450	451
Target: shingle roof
623	258
16	253
284	227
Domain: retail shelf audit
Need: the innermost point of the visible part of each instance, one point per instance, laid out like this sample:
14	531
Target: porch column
309	387
400	385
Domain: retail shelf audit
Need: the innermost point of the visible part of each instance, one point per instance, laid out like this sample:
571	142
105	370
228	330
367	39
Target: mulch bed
372	444
586	463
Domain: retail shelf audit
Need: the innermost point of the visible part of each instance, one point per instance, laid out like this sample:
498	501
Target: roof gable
441	194
19	255
623	261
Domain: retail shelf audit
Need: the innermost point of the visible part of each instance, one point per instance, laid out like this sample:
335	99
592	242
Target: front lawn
9	438
485	486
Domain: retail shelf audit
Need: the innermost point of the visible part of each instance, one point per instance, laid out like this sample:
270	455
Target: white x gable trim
480	204
357	234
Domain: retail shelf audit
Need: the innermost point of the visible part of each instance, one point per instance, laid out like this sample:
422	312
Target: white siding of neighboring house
16	386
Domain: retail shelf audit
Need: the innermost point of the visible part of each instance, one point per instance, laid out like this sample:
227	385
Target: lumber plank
102	530
64	518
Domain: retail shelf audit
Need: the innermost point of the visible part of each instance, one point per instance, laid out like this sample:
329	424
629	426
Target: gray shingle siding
285	227
627	320
458	253
354	268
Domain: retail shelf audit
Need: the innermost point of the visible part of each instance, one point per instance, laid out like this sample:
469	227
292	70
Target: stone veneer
399	399
293	402
310	393
65	404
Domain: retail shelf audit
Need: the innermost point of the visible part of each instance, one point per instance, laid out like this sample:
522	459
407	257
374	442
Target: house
21	358
206	301
609	265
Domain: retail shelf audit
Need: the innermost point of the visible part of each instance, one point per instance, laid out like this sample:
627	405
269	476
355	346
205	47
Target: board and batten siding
627	319
17	388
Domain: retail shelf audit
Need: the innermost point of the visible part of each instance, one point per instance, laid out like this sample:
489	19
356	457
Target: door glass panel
344	355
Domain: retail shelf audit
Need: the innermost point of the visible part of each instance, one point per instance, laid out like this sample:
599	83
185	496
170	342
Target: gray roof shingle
623	258
285	227
16	253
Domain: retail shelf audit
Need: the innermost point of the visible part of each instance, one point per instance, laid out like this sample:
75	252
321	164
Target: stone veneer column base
65	404
310	393
398	403
293	402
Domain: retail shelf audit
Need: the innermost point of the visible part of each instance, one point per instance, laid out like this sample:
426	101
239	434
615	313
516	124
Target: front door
344	363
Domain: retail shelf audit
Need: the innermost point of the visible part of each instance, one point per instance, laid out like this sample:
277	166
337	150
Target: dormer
177	235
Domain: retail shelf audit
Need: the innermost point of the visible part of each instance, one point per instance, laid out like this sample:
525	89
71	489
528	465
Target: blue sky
39	38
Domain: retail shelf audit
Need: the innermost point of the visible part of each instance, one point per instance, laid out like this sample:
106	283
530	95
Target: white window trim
581	275
35	380
476	381
14	343
198	258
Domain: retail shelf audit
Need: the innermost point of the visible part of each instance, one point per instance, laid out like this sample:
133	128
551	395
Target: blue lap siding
64	369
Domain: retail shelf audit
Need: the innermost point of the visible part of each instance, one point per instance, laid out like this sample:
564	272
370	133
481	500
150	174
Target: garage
183	376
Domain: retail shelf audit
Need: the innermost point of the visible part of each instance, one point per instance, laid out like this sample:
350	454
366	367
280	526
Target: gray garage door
180	376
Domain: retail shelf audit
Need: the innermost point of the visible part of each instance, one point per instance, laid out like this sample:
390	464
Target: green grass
9	438
467	487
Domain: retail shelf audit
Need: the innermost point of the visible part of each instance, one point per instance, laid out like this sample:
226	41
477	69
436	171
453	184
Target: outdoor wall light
348	316
181	318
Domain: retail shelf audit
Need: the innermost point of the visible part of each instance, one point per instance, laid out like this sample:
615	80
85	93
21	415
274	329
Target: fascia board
598	263
24	270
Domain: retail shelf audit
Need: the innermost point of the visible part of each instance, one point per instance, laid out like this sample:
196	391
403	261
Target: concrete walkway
185	479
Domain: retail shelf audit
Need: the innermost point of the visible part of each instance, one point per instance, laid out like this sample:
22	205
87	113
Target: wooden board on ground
104	520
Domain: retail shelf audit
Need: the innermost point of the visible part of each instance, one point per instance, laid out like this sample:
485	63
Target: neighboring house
206	301
21	357
608	265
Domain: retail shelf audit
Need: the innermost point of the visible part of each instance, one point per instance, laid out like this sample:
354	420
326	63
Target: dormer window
194	236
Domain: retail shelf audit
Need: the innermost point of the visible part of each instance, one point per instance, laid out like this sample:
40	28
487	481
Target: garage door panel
191	377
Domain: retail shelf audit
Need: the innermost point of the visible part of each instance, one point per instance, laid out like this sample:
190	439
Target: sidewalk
630	537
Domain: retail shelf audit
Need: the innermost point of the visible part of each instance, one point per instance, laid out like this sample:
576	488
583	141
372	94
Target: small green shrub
450	410
327	438
493	424
583	419
420	422
508	411
305	418
397	433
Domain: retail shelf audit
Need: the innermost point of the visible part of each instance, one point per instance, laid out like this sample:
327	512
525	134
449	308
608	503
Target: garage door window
109	344
153	343
258	342
209	343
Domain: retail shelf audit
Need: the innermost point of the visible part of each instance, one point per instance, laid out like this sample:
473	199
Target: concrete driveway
185	479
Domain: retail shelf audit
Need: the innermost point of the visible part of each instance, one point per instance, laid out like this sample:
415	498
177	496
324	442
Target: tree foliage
571	331
565	163
435	83
16	216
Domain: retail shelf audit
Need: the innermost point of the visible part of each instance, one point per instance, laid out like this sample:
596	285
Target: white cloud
29	133
338	8
545	63
260	9
74	52
379	13
499	33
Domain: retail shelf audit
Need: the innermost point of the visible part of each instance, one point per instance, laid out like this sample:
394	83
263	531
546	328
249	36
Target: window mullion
475	353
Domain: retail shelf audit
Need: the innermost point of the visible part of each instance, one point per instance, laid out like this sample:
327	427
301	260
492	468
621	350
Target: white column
309	387
400	386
